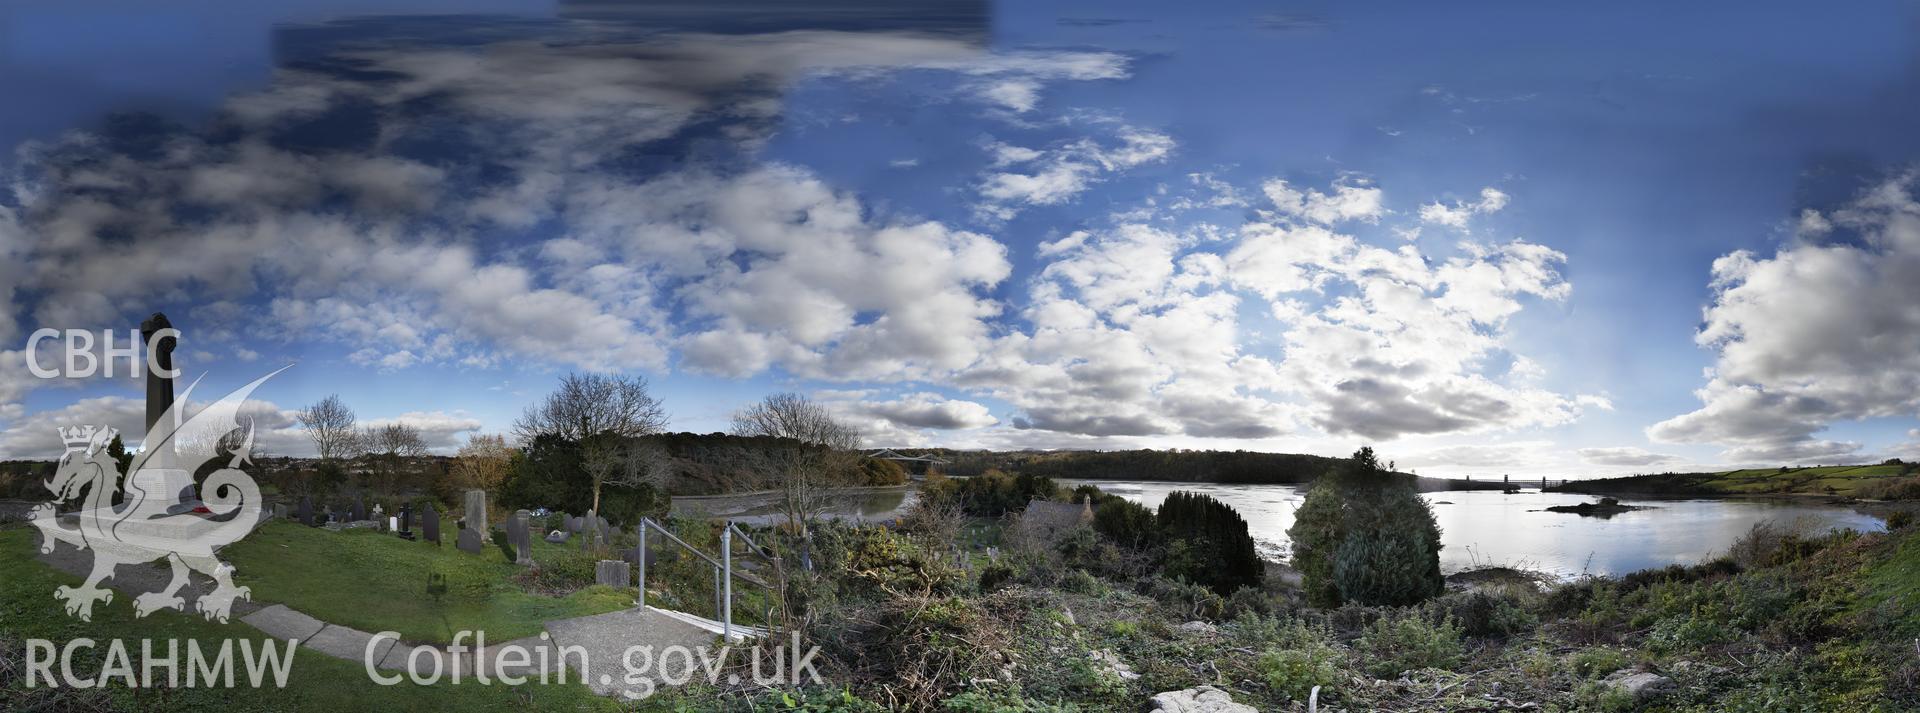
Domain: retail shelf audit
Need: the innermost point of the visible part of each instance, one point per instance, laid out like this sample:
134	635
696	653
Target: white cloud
927	410
1815	334
1456	215
1353	198
1055	175
1626	455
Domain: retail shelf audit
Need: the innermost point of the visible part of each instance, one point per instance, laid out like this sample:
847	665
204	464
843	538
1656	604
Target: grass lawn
1847	480
318	683
375	582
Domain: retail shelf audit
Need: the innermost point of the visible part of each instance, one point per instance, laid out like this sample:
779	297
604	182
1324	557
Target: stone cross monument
161	477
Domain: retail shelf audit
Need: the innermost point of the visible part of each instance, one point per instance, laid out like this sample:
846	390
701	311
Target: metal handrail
723	572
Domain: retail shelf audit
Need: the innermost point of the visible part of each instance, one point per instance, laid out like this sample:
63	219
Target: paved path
601	639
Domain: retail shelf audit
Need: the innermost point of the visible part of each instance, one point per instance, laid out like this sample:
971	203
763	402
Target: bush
1899	519
1190	600
996	575
1209	543
1483	614
1594	663
1293	673
1398	644
1079	582
1127	523
1364	535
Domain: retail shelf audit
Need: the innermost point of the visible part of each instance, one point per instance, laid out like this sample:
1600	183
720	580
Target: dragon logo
149	524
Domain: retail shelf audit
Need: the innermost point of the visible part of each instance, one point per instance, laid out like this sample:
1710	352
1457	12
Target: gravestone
430	524
573	525
406	522
469	542
613	573
519	538
557	537
477	511
306	511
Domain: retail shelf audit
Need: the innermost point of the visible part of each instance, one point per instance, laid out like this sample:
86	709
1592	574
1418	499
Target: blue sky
1480	237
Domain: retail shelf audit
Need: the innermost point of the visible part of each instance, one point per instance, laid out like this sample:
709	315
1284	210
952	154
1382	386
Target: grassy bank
375	582
317	683
1861	481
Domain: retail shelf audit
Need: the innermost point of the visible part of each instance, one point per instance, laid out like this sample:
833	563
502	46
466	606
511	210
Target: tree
623	462
588	405
1365	535
331	426
1208	542
391	446
482	463
822	452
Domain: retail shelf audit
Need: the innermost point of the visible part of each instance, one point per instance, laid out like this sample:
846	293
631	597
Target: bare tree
622	462
804	473
588	405
481	463
331	426
391	446
394	440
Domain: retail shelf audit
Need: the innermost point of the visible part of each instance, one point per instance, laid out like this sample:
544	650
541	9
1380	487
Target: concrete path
601	639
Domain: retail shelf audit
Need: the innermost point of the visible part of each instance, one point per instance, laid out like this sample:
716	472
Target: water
1478	528
1488	527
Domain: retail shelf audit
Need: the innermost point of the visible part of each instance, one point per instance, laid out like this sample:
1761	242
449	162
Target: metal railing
723	571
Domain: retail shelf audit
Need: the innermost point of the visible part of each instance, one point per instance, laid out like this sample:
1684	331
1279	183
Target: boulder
1205	699
1640	685
1198	627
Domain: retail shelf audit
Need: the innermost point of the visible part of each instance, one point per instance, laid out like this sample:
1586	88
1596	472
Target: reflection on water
1488	527
1478	527
853	505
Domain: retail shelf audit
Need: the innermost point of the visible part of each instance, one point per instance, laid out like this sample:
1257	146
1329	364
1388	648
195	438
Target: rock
1198	627
1642	686
1111	662
1205	699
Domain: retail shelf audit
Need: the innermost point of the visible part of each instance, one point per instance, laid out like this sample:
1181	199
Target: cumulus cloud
1625	455
408	260
1455	215
1814	334
928	410
1035	177
1352	198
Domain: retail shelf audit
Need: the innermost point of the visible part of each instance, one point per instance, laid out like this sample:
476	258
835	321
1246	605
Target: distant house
1047	518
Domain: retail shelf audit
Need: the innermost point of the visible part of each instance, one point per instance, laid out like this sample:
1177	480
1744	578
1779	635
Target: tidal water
1486	527
1478	528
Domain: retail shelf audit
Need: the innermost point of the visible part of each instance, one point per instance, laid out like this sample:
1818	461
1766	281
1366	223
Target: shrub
1079	582
1597	662
1899	519
1396	644
1127	523
1215	547
1191	600
1293	673
1365	535
996	575
1480	613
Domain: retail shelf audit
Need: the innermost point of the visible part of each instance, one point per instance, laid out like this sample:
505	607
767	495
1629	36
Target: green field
317	683
1840	480
374	582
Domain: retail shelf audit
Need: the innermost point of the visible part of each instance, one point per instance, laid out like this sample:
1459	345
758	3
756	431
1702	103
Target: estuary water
1478	528
1487	527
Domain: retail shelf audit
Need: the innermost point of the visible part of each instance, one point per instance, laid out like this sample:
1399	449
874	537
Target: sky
1485	238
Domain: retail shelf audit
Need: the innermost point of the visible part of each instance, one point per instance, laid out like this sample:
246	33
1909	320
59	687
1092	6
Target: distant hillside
1890	480
1178	466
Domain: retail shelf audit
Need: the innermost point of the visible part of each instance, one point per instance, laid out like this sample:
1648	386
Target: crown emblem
81	438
